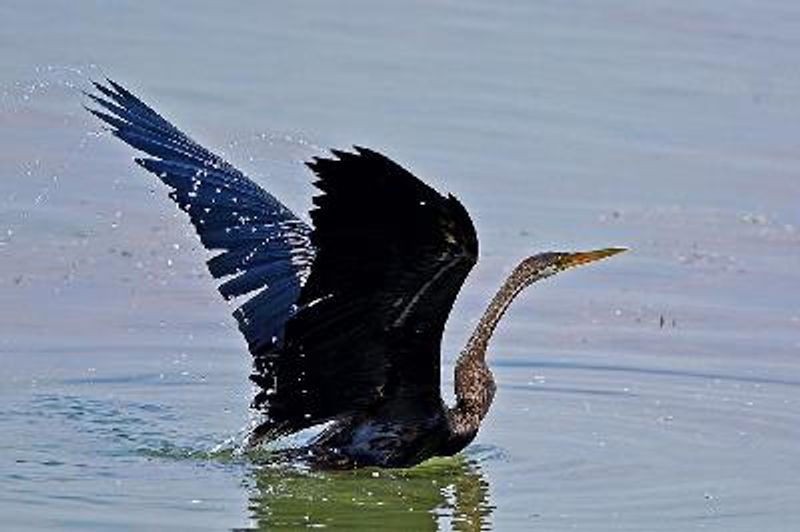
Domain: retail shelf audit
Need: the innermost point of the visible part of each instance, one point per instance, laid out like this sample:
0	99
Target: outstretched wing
392	254
265	248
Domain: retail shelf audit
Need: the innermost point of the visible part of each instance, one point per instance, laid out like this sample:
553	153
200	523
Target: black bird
344	320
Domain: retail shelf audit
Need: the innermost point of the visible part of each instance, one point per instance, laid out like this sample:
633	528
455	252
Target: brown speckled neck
474	383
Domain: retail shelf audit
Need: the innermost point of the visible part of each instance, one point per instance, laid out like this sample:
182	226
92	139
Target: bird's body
344	319
397	433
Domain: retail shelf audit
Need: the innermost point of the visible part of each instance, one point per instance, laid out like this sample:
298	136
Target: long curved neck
474	384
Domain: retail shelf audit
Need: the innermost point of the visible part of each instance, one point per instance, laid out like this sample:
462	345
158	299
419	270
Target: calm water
657	391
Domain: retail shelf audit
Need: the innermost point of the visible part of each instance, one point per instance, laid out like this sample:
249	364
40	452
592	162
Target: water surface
657	391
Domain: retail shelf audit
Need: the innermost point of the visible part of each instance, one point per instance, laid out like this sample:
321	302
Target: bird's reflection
450	493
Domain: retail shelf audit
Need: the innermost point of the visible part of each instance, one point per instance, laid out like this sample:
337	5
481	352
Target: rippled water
657	391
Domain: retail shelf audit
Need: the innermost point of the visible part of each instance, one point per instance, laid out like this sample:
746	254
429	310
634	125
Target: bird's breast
391	443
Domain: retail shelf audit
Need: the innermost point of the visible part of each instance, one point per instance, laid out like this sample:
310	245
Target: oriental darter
345	316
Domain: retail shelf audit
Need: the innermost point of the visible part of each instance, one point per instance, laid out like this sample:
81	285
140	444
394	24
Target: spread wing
265	250
342	316
391	256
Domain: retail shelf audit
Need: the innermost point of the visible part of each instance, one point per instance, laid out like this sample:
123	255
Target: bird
344	316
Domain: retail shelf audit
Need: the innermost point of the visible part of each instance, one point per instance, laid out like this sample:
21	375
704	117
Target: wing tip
364	151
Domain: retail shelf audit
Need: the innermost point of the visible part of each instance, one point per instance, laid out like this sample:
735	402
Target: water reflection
450	493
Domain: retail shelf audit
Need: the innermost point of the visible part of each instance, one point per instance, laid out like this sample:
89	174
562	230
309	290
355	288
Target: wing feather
392	254
264	248
341	317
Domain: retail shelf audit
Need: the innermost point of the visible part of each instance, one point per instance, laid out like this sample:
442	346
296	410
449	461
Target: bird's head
547	264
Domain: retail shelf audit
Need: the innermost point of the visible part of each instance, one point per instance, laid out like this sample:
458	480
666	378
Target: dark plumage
345	320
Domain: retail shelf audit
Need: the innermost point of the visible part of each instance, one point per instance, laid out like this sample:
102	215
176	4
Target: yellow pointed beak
571	260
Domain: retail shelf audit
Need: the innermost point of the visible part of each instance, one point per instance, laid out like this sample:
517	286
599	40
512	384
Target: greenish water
659	390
